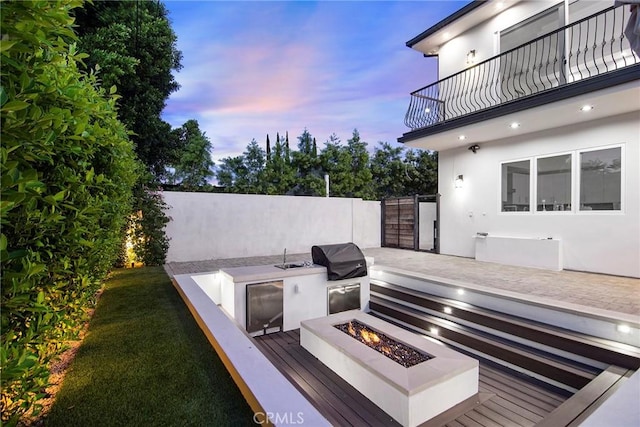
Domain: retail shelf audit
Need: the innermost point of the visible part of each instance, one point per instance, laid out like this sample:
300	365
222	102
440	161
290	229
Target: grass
144	361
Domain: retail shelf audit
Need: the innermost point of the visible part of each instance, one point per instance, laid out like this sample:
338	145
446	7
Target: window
554	183
578	181
515	186
601	180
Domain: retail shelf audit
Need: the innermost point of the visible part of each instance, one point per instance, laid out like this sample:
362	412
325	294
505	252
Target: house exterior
536	120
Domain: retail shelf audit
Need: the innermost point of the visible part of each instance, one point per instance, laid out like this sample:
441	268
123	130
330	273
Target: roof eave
446	21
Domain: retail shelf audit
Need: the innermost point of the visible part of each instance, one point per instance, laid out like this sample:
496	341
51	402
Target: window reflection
600	180
554	183
515	186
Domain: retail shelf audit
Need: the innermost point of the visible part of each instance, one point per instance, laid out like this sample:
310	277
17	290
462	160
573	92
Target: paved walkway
618	294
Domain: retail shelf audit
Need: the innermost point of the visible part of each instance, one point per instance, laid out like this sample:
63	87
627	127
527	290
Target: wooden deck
505	399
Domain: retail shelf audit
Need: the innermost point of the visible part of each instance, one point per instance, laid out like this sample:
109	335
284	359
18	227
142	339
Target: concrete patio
604	292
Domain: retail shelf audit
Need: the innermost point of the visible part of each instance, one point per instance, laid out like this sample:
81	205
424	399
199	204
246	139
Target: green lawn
145	362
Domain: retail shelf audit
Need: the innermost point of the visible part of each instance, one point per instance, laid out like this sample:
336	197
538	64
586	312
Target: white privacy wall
604	242
216	226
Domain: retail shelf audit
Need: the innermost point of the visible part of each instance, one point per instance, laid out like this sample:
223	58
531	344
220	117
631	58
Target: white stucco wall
484	39
216	226
605	242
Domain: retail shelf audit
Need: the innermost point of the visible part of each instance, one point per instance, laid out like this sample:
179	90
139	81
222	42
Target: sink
290	265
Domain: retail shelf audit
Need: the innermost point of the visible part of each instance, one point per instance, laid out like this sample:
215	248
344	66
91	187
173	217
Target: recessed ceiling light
625	329
460	291
447	310
462	137
514	125
427	110
434	331
586	108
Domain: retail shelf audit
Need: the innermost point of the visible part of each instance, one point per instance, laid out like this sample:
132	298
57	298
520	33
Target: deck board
513	400
314	374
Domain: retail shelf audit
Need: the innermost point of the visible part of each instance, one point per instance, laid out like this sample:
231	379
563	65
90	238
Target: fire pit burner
398	352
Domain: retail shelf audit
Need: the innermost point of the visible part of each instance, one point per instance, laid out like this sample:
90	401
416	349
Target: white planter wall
604	242
217	226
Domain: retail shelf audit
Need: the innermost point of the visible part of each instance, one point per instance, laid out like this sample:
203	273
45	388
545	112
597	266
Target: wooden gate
401	222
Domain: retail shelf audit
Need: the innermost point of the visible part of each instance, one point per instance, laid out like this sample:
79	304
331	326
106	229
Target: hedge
67	170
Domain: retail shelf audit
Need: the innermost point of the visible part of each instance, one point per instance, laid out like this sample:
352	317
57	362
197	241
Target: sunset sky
252	68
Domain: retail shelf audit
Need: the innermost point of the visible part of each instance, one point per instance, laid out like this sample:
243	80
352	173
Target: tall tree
362	178
254	164
193	165
134	47
422	172
389	171
309	180
336	162
231	173
279	175
268	148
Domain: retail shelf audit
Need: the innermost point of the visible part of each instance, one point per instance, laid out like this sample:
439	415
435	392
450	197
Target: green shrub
150	242
67	171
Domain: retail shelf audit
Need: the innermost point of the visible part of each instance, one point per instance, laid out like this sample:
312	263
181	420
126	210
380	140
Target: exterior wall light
459	181
471	57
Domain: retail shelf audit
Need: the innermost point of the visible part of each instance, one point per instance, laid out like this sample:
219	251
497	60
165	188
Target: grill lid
343	261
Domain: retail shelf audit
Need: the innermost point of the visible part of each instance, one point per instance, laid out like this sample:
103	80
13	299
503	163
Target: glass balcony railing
587	48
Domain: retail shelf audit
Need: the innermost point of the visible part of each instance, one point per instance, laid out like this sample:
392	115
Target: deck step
605	351
457	335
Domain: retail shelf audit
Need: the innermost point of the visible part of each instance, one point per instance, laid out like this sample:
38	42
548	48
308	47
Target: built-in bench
543	253
582	404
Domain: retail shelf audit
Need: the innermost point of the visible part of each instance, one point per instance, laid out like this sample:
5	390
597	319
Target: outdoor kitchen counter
260	273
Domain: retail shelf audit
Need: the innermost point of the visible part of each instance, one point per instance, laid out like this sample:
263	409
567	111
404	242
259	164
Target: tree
268	149
254	163
279	175
422	172
134	48
193	164
388	171
336	162
309	175
231	173
362	178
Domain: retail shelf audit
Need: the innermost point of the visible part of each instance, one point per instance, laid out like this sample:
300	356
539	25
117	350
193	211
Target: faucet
284	258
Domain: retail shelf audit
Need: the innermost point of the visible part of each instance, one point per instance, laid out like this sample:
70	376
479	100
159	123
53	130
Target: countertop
269	272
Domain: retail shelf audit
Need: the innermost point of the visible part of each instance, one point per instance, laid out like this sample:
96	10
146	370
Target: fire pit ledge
410	395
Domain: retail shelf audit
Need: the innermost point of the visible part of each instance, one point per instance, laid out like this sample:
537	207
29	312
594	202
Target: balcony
588	55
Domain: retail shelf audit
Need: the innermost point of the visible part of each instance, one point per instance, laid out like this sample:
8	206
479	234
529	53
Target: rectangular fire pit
400	353
410	395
